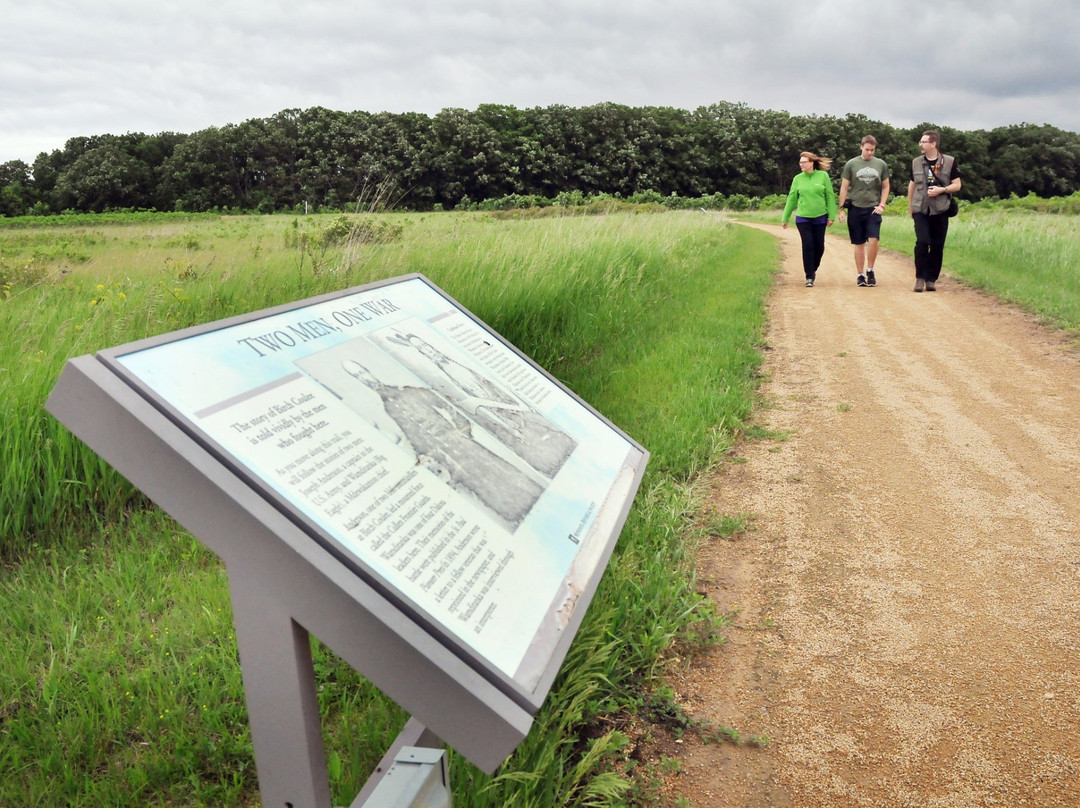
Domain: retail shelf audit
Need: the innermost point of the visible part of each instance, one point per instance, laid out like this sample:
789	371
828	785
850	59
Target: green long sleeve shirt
811	196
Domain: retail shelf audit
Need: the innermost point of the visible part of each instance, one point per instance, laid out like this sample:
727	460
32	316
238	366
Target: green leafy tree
618	150
265	154
473	154
771	144
1042	160
322	158
716	132
204	171
547	154
404	151
336	156
16	193
49	166
155	150
104	178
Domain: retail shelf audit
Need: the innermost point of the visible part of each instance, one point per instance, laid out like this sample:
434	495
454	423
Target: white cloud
73	69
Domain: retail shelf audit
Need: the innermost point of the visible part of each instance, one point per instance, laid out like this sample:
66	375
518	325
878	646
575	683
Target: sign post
378	468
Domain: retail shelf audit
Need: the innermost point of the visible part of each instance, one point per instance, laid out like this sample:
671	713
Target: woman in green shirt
813	201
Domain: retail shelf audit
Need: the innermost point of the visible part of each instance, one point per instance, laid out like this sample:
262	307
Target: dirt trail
908	627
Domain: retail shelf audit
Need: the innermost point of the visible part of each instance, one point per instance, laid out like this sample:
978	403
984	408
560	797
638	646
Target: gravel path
908	598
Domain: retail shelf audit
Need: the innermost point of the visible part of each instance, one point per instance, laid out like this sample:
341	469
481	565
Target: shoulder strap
944	161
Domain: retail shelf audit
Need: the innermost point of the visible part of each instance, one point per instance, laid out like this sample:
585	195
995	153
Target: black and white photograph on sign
446	369
421	446
514	422
439	433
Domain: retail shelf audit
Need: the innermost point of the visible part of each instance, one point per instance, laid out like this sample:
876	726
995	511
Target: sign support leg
279	682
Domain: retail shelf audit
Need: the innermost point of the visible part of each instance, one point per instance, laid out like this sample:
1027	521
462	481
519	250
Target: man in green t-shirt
864	191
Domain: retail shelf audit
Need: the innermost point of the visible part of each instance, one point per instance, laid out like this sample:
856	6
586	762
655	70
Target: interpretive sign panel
426	453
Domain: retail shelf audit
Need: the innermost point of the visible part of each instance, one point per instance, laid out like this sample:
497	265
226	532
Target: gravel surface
908	596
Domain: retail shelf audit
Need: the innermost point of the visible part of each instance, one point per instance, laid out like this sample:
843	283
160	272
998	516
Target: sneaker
919	283
861	281
870	279
930	286
809	282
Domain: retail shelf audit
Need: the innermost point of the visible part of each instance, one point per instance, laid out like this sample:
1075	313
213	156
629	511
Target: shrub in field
514	202
21	273
317	243
1064	205
374	230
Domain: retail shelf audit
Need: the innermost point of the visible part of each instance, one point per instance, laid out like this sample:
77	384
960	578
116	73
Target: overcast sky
115	66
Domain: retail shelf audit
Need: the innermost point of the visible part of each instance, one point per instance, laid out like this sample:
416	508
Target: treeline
318	158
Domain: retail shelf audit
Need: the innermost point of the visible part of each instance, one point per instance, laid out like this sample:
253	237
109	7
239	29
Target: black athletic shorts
863	224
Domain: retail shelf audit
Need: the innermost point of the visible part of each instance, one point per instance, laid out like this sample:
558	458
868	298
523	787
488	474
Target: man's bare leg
860	257
871	253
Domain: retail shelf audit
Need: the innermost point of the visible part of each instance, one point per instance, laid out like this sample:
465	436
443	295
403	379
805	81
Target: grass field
1029	259
120	680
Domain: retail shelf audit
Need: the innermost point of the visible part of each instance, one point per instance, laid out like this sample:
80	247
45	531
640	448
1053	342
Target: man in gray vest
934	177
864	187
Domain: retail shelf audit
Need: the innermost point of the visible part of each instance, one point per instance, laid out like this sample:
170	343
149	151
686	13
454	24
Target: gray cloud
116	66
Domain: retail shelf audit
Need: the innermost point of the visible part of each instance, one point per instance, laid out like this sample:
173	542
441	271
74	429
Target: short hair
932	136
869	139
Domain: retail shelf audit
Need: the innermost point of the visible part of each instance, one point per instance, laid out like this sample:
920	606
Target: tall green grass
1026	258
119	682
120	679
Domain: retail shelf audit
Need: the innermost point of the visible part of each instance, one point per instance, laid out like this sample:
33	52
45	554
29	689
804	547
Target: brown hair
932	136
820	163
869	139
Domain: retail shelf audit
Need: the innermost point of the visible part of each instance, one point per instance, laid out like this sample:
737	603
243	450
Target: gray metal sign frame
286	586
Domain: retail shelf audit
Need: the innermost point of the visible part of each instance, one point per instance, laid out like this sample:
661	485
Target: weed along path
907	592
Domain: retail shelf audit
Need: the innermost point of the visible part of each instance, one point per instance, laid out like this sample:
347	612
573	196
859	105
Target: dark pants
813	245
930	233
